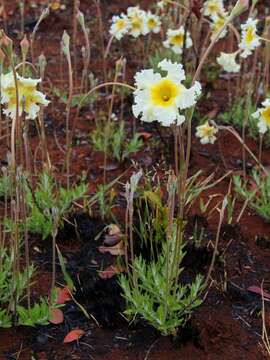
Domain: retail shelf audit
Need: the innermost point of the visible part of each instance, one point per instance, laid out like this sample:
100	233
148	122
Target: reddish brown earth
228	325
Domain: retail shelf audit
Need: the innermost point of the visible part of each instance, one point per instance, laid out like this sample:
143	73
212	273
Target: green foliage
12	285
39	314
153	219
47	199
112	137
211	72
5	185
154	290
256	191
83	99
159	299
5	319
105	200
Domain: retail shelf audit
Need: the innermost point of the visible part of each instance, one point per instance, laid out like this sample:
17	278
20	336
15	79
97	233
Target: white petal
175	71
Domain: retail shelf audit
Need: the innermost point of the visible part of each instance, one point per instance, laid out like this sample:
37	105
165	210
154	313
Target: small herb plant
38	314
13	288
256	192
47	197
154	290
111	137
158	297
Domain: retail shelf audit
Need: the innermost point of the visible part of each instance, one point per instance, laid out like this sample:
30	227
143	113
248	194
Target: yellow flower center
177	40
151	23
26	96
266	115
164	93
55	6
136	23
208	131
120	24
250	35
218	24
213	7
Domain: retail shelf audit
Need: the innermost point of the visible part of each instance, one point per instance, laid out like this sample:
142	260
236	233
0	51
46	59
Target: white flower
175	40
153	22
206	133
120	26
249	38
161	98
137	21
217	24
263	115
213	8
228	62
30	98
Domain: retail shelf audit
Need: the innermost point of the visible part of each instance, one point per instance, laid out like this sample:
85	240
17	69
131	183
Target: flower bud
24	46
6	43
42	63
65	43
80	18
240	7
2	57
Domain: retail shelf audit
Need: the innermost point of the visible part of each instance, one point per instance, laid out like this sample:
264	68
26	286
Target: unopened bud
42	63
2	57
119	66
6	43
80	18
65	43
24	46
240	7
83	52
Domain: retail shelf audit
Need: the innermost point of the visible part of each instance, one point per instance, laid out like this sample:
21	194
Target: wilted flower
206	133
120	26
161	98
153	22
217	24
263	115
213	8
175	40
228	62
30	98
249	38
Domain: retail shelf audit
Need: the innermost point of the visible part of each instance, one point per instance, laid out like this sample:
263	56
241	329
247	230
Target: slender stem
68	108
260	148
221	217
15	121
76	4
